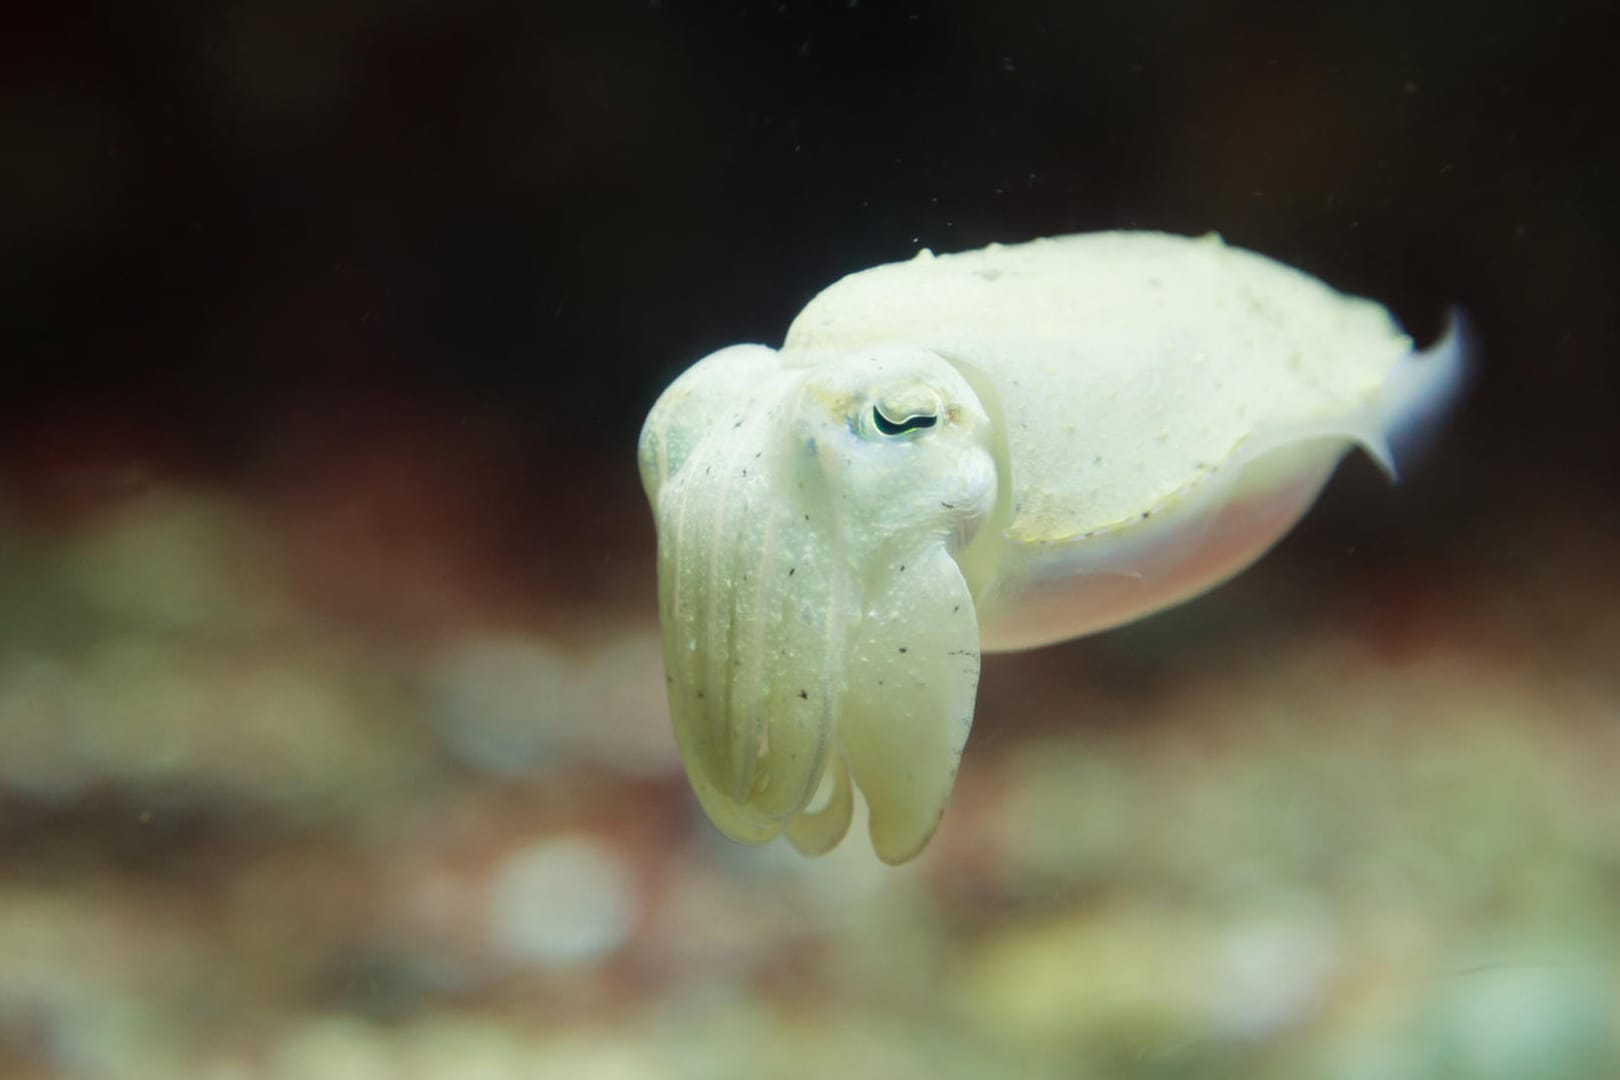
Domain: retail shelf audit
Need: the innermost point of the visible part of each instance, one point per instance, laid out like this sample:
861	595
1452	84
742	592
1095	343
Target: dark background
233	233
332	717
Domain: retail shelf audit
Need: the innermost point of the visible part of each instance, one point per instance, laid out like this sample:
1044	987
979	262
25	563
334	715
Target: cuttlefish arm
818	633
913	676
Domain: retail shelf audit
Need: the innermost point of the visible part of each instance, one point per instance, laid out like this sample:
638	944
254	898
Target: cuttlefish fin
1421	390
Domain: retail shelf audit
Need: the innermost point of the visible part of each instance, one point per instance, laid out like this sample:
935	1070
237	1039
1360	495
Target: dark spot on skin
807	517
700	695
803	696
902	648
757	453
948	506
791	569
955	608
902	568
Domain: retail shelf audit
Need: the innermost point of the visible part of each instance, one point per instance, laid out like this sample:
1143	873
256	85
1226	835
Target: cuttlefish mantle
990	450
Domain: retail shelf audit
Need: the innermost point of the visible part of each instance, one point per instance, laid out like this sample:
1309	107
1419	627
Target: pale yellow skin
990	450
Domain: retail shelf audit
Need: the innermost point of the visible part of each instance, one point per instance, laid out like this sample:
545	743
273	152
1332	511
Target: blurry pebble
1132	974
1068	814
443	1049
334	1048
504	704
38	717
172	562
603	1057
562	902
1551	1018
625	722
1272	971
509	704
707	927
147	712
260	724
481	1050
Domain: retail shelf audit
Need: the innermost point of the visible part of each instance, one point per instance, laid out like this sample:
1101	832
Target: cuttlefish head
818	631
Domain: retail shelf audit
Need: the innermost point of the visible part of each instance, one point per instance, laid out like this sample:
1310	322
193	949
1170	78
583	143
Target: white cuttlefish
991	450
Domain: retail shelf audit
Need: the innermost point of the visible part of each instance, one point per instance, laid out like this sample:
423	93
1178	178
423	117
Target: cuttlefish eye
902	425
901	412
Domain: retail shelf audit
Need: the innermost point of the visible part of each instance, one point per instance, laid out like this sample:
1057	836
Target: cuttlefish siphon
989	450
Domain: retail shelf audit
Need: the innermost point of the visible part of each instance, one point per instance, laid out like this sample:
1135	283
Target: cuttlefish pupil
984	451
903	425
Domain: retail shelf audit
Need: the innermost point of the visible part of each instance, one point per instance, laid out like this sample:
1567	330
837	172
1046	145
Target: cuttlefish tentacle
753	676
914	672
818	829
